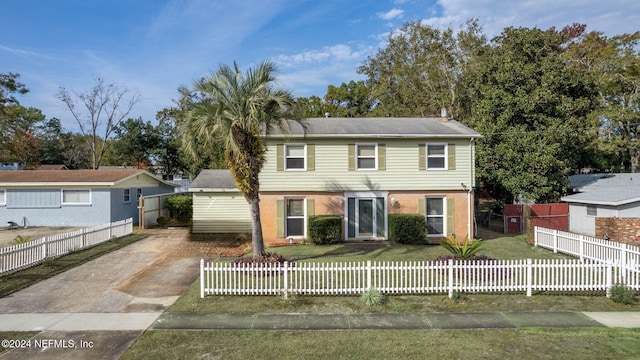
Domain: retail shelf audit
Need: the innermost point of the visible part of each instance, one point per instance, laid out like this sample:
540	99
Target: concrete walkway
266	321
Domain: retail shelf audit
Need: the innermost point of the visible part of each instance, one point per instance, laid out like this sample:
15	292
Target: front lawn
586	343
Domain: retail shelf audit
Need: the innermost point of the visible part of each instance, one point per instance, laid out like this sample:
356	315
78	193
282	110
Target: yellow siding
220	213
401	168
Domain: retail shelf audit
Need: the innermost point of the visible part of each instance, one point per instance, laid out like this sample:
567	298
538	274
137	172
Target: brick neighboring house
365	169
74	197
605	204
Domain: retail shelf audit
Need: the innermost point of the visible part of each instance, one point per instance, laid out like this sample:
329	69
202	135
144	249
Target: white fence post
201	278
535	236
368	274
286	280
44	248
555	241
450	268
529	277
609	276
582	241
623	262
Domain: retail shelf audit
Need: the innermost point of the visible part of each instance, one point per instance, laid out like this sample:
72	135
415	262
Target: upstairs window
3	199
127	195
366	157
295	157
592	210
436	156
76	197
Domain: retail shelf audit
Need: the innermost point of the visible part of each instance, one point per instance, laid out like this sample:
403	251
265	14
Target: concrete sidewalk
63	322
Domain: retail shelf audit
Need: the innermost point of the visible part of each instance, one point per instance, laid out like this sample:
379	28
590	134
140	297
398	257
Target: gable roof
608	189
213	180
70	177
391	127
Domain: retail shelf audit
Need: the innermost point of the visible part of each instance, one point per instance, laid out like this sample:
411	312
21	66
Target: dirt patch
8	236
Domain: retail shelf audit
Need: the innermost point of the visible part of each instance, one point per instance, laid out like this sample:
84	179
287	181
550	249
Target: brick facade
625	230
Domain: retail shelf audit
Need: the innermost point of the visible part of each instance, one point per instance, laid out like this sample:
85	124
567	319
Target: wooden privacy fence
588	247
501	276
33	252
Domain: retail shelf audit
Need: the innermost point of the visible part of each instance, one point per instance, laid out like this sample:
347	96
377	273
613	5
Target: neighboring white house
602	195
218	206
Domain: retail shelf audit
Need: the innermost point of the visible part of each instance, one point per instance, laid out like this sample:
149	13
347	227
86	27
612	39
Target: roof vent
444	114
327	115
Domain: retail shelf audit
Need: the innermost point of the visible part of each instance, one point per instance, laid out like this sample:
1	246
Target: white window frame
592	210
126	195
375	157
445	157
3	197
304	157
74	203
303	217
138	193
443	216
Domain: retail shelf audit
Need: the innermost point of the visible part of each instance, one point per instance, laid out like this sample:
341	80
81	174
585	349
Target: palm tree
240	109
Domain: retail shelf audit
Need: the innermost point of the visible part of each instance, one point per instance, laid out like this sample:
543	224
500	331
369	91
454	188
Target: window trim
375	157
75	203
304	157
443	216
592	210
303	217
3	199
445	156
126	195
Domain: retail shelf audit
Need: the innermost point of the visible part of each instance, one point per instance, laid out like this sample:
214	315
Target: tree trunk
635	160
257	242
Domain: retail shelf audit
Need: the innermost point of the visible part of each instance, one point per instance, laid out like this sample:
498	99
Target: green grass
504	248
395	344
18	280
15	335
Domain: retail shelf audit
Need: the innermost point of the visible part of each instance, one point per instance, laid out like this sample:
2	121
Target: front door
365	218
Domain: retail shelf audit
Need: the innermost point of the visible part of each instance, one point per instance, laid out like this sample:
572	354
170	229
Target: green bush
180	207
408	228
372	297
325	229
622	294
462	250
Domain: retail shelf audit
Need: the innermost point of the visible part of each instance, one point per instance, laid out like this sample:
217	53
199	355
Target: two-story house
365	169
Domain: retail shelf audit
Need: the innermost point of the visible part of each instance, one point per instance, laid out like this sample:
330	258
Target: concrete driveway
144	277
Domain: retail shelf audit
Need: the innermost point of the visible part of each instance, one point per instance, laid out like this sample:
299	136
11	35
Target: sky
151	47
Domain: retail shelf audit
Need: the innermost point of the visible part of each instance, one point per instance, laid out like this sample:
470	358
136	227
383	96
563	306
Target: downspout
472	185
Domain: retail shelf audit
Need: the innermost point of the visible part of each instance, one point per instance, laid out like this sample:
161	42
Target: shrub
180	207
325	229
256	263
622	294
458	297
372	297
461	250
408	229
163	220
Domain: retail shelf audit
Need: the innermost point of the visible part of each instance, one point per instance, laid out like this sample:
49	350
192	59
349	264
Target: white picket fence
33	252
525	276
587	247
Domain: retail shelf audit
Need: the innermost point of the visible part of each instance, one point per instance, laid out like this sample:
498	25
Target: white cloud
334	53
391	14
495	15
